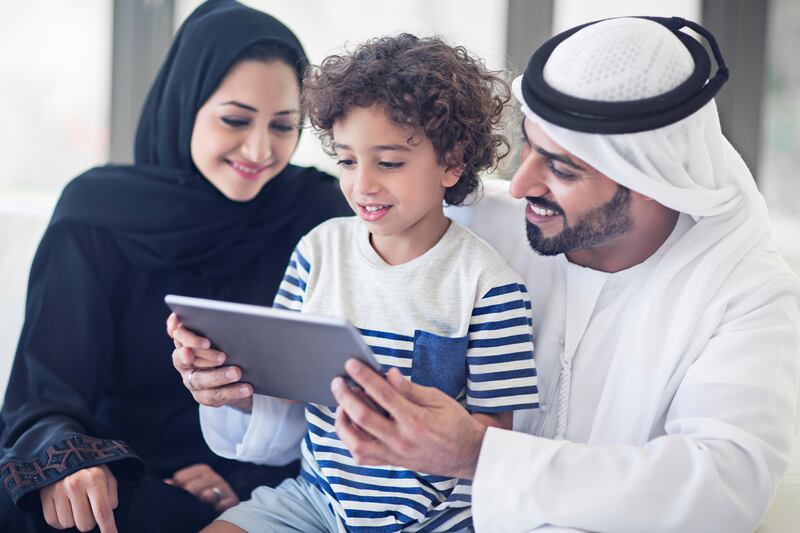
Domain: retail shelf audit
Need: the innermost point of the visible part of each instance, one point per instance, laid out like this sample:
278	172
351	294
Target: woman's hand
200	368
206	485
83	500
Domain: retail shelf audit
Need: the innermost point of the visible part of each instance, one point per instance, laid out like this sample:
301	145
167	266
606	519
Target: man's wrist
474	442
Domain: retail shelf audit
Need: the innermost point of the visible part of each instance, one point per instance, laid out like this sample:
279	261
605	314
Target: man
666	324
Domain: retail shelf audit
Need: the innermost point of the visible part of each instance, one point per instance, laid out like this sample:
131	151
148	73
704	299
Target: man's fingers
377	388
422	396
365	449
360	413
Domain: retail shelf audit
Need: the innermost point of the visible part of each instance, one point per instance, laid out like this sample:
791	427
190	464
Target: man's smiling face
571	206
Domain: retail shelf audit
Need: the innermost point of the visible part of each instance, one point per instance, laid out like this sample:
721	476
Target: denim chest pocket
440	362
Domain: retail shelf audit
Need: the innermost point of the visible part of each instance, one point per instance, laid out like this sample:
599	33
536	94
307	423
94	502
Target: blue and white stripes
464	329
501	376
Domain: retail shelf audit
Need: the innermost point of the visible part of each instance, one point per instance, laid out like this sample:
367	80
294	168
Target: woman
93	419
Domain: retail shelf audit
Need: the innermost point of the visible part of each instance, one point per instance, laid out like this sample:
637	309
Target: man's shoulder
761	273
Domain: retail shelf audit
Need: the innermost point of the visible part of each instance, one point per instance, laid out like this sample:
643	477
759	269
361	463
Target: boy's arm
272	432
501	372
497	420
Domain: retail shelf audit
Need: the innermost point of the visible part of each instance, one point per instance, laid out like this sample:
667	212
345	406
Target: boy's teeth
372	209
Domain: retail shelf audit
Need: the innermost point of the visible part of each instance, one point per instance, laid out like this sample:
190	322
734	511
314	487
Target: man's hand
206	485
428	431
85	500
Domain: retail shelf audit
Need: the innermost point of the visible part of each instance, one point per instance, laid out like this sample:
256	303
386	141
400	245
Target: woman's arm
63	361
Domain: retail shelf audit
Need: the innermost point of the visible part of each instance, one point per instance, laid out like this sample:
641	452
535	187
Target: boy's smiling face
392	179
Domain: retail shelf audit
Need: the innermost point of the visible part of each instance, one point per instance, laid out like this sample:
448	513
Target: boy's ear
454	162
451	176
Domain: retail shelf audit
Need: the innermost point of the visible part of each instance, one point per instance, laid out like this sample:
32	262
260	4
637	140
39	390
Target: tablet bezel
302	376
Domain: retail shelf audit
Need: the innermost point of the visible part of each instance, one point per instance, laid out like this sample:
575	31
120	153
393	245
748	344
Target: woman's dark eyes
241	123
235	122
283	128
345	162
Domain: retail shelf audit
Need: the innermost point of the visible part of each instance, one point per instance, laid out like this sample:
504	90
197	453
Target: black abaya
92	381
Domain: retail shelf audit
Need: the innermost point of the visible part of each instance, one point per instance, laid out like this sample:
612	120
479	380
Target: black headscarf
92	373
161	210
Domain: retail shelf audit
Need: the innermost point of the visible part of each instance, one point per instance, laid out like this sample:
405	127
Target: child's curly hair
425	85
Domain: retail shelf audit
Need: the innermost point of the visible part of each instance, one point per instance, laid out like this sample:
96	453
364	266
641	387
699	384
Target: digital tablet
281	353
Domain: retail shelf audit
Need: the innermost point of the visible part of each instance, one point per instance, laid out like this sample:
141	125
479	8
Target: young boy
412	122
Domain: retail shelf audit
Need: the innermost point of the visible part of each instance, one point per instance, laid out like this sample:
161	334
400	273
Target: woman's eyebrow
239	104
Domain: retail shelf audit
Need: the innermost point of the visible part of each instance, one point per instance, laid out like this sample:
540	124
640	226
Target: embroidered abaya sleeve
61	370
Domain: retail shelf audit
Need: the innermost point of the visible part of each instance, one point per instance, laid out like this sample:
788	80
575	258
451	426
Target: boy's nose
366	182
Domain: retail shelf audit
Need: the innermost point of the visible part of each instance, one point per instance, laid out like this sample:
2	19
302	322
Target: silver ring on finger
190	382
218	495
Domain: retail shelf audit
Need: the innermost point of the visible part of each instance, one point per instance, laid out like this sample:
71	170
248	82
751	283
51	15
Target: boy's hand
427	430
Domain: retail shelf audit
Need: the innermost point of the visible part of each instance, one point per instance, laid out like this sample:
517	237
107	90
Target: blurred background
74	73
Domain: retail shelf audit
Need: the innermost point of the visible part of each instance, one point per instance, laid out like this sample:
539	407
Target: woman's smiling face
247	130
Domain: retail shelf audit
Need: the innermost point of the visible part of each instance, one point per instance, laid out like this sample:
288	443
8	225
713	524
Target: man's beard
597	226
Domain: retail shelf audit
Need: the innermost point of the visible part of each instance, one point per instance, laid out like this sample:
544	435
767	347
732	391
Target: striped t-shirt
457	318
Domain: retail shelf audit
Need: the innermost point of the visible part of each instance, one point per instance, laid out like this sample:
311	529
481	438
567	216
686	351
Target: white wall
22	223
